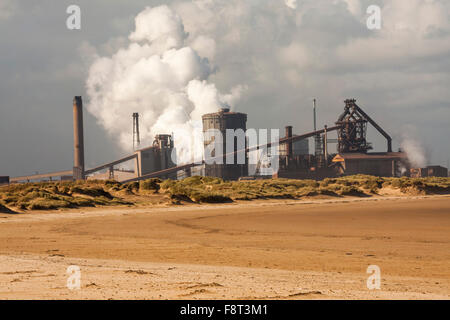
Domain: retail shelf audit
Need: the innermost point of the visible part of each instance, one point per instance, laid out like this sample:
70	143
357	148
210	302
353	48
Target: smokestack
317	141
289	143
136	136
325	145
78	139
314	110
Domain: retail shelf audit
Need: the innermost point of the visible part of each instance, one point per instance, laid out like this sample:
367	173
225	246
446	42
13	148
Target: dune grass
57	195
207	189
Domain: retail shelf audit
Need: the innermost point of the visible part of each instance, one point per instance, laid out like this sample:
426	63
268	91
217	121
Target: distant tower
136	137
78	139
317	138
221	121
352	134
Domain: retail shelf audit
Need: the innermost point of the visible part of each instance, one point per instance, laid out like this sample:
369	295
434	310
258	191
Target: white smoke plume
291	3
160	76
7	8
264	57
414	149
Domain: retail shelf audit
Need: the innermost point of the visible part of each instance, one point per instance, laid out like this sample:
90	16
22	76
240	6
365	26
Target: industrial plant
157	160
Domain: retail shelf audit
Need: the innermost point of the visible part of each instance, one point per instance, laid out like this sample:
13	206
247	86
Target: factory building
299	148
353	157
295	160
157	157
220	122
430	171
4	180
390	164
352	145
228	157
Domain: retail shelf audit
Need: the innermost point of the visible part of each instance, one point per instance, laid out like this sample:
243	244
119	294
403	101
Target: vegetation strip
93	193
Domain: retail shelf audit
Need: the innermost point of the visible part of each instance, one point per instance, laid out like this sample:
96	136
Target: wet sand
317	249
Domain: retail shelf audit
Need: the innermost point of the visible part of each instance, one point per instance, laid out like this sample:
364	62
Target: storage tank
221	121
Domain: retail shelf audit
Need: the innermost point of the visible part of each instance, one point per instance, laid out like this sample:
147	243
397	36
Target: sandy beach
318	249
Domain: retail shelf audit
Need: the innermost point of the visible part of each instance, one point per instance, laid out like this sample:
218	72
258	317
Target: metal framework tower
136	136
317	139
352	134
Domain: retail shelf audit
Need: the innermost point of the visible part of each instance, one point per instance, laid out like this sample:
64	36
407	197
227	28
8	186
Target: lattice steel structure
353	129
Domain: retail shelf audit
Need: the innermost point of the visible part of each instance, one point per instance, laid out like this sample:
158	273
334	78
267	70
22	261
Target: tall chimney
314	111
289	143
78	139
325	145
136	136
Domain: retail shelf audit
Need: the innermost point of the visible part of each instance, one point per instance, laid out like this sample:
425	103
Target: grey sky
400	76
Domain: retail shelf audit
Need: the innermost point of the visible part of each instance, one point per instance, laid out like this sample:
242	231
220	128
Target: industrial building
389	164
4	180
146	161
222	121
352	154
353	157
158	157
430	171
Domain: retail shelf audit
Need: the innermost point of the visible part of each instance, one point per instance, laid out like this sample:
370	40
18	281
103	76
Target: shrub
351	191
54	195
4	209
46	204
82	202
150	185
112	184
209	198
94	192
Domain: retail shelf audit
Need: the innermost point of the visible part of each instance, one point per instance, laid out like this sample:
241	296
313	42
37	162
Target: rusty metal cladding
78	139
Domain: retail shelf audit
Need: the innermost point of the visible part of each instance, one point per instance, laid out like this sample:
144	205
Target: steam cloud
197	56
7	8
414	151
160	76
291	3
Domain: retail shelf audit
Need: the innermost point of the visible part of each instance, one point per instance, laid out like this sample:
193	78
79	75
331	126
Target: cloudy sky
174	60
